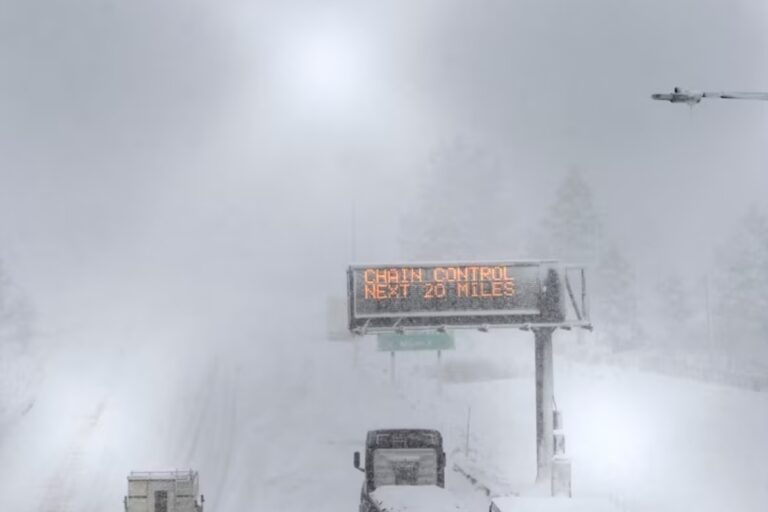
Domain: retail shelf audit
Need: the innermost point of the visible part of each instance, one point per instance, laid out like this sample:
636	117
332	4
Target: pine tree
741	295
571	230
615	301
15	313
675	310
462	211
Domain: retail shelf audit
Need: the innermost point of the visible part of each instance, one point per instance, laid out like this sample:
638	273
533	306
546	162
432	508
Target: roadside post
439	373
561	465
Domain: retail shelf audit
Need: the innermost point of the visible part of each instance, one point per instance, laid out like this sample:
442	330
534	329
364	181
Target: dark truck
400	457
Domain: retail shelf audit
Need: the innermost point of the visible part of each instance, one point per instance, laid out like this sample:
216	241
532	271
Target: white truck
163	491
405	472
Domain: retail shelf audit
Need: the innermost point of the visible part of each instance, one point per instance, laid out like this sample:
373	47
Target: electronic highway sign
451	295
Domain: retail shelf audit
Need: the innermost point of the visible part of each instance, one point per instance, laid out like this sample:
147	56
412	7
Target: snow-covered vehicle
403	467
163	491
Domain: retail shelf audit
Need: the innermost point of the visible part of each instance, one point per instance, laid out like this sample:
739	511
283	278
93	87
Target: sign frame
550	302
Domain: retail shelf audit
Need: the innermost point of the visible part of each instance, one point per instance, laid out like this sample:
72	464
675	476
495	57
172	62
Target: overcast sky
212	150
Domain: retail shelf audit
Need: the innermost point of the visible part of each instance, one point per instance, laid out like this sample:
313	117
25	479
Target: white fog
184	186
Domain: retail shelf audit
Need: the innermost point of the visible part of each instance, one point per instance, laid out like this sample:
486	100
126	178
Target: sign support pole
439	374
544	399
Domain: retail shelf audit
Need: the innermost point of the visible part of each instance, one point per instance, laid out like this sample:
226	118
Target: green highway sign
415	341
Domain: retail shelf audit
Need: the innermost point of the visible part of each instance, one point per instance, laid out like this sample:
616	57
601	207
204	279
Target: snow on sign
385	298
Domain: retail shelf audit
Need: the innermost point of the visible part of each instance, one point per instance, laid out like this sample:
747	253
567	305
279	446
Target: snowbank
519	504
419	498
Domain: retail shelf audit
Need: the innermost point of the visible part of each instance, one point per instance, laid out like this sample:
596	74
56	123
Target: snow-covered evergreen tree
571	232
571	229
674	310
15	312
615	301
462	211
741	288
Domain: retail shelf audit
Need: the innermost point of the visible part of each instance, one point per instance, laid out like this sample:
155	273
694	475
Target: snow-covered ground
640	440
271	422
422	498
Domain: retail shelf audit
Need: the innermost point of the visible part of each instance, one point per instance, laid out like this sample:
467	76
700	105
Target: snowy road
280	438
272	425
646	442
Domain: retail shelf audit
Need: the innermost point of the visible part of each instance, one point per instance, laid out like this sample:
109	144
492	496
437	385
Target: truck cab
400	457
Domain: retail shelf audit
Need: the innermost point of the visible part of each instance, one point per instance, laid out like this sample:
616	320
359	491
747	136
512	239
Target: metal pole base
544	398
561	477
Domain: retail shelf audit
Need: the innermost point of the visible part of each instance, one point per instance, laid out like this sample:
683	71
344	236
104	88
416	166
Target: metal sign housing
413	296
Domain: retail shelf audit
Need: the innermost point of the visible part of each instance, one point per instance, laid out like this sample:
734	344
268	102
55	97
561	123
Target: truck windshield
404	466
